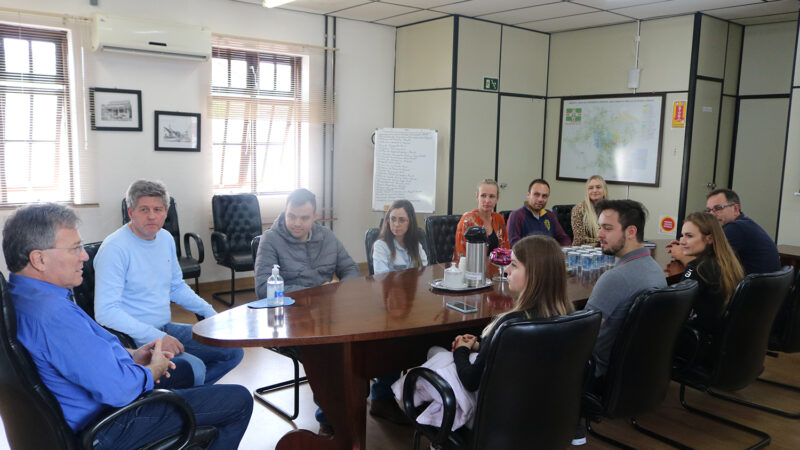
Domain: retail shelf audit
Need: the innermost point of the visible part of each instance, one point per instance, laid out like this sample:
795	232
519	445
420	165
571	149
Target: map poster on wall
404	168
618	138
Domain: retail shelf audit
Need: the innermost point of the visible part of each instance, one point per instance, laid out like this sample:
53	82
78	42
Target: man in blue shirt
84	366
137	275
533	218
756	250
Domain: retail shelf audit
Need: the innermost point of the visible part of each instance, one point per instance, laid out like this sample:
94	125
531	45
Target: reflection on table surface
375	307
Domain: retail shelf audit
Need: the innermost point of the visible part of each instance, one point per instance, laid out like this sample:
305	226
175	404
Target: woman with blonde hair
483	216
715	267
584	215
538	273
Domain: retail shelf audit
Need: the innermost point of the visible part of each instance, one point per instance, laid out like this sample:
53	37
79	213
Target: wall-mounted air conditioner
123	34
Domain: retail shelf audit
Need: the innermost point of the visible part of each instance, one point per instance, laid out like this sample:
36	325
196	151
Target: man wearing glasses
756	250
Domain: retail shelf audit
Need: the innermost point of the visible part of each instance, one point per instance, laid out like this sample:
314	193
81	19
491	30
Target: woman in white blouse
398	246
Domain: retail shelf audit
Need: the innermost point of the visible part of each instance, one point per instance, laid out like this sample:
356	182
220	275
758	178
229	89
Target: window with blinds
258	127
36	143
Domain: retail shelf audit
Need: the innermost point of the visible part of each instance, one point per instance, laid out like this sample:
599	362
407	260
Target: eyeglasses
718	208
75	250
400	220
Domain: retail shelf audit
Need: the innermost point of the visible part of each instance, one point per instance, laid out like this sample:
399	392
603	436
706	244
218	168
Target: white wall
364	76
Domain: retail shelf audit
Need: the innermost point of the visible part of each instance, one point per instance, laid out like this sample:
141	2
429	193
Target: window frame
60	38
253	98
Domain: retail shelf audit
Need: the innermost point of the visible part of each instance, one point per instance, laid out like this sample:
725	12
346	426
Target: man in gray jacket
308	254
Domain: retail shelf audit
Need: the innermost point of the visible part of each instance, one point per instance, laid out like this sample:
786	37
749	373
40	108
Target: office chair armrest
444	390
219	246
124	339
88	434
201	254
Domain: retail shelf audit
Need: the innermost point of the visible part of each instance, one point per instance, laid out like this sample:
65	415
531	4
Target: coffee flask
475	274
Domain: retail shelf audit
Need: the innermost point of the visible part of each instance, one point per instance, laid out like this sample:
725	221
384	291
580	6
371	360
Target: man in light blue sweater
137	275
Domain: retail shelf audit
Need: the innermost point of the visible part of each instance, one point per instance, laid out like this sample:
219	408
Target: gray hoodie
303	264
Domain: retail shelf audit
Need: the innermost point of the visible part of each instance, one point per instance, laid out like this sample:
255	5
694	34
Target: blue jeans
209	364
382	387
225	406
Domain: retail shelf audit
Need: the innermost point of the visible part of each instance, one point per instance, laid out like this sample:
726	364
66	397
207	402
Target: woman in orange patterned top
584	217
483	216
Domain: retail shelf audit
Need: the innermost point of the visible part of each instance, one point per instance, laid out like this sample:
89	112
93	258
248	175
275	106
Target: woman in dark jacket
715	267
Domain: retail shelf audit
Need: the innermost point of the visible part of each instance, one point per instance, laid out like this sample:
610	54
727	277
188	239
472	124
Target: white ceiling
548	15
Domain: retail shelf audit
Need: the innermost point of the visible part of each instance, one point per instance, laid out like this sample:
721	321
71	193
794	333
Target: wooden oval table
354	330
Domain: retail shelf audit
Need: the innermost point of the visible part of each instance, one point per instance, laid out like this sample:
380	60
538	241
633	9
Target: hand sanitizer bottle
275	288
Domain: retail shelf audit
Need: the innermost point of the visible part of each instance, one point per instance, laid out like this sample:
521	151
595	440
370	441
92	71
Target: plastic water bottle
275	287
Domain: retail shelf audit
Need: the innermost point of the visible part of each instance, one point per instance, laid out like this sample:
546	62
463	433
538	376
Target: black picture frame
177	131
119	109
654	153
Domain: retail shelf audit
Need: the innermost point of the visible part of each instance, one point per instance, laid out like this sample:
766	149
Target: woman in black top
715	268
538	273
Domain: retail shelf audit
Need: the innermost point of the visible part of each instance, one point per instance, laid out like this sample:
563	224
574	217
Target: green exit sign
490	84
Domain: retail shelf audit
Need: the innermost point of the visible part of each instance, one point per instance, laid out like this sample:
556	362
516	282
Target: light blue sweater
135	280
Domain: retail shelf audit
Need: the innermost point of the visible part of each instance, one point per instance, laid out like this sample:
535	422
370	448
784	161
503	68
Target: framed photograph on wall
617	137
177	131
115	109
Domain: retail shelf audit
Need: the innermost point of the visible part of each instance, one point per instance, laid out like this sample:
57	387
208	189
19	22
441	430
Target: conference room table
357	329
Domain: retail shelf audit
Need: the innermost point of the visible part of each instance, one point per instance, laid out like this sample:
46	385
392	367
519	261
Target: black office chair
189	265
564	215
785	338
372	235
441	233
734	357
537	366
84	293
641	359
260	394
237	220
32	416
506	214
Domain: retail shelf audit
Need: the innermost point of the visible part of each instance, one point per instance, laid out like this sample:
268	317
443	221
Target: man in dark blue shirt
83	365
756	250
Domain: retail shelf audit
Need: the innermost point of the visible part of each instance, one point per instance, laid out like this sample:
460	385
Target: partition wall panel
733	56
665	50
789	232
424	55
520	147
478	52
760	145
523	62
713	44
475	144
725	141
767	60
702	159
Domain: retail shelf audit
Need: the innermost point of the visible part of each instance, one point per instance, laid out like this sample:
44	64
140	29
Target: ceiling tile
412	17
474	8
612	4
762	9
574	22
676	7
424	3
321	6
772	18
538	13
373	11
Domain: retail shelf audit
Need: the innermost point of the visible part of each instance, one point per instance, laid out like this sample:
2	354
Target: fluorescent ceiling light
274	3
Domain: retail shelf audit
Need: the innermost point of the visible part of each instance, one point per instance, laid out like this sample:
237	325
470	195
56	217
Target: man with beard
622	235
533	218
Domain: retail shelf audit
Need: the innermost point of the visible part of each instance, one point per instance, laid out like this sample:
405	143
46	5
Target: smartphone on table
462	307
